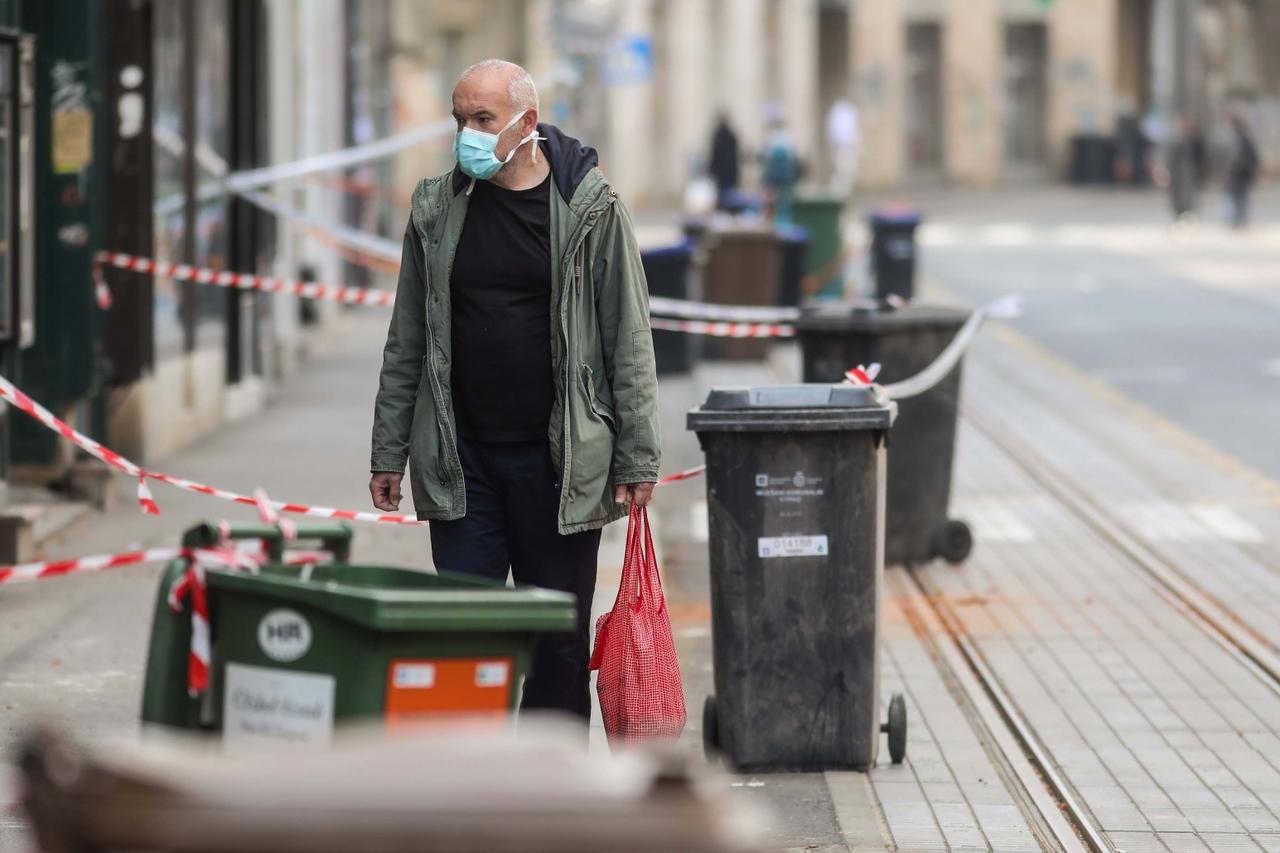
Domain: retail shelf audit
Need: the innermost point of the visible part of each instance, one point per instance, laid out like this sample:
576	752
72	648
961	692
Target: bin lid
818	316
896	215
793	234
395	599
794	408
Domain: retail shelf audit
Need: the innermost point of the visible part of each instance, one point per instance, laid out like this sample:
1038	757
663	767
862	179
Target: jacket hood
570	160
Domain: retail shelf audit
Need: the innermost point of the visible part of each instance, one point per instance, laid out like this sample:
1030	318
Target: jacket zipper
446	443
575	267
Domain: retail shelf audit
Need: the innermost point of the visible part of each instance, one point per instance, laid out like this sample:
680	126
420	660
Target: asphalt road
1185	321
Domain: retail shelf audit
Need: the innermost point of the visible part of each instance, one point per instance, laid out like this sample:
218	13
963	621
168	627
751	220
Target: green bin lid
392	599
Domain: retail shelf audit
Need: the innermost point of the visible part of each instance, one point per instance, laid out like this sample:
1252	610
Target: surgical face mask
474	149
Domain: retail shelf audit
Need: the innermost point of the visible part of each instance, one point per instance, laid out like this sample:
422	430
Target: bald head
492	93
521	94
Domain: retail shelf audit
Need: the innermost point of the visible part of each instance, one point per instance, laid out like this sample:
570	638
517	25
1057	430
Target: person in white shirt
844	142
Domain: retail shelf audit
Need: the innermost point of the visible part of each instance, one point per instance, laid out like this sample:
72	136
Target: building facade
965	91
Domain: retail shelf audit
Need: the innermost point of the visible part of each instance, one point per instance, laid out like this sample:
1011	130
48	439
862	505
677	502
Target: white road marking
1193	522
1226	523
1006	234
996	520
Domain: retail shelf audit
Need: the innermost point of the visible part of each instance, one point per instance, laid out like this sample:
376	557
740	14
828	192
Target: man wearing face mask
518	379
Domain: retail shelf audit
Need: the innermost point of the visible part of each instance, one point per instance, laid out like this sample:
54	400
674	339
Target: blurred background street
1115	162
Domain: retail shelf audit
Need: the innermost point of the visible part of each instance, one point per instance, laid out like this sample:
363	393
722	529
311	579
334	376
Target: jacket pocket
602	410
427	450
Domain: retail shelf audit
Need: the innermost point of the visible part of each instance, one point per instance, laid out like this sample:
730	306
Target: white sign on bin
276	707
792	546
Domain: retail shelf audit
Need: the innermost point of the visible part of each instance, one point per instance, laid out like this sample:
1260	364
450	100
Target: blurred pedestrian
518	378
1242	170
724	161
1187	168
781	171
844	142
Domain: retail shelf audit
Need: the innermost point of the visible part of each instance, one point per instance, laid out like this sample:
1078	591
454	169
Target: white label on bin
284	635
414	675
492	674
790	488
276	707
792	546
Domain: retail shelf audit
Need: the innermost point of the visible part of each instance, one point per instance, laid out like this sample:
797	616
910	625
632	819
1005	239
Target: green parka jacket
604	423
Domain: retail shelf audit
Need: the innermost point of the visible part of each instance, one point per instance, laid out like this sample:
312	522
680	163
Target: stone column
627	155
740	44
419	95
797	66
879	47
686	111
972	55
1082	72
539	50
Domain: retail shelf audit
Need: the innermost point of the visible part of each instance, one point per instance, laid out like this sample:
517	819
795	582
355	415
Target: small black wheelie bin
893	251
667	271
835	337
795	495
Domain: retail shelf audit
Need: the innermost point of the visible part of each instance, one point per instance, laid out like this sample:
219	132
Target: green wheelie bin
296	649
819	215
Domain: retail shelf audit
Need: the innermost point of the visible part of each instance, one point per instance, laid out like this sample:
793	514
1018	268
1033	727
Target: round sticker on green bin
284	635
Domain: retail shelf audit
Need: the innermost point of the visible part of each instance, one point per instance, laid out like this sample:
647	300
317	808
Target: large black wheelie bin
835	337
795	497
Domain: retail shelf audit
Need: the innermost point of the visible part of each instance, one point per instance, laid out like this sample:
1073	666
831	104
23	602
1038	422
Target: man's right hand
385	488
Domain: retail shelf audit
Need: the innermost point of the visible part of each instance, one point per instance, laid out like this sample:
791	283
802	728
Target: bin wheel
896	728
710	728
955	541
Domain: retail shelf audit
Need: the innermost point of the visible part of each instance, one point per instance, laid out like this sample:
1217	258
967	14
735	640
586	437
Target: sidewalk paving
1168	740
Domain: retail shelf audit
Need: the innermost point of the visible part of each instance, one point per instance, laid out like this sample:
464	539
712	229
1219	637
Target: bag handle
650	580
629	583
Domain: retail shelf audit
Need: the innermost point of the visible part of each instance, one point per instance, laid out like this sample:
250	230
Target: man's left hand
639	494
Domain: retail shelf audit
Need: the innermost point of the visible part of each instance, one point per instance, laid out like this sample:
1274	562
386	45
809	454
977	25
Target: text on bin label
792	546
414	675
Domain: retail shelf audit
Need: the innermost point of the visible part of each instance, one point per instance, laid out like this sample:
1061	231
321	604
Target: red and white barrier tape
862	375
723	330
21	572
724	321
243	281
16	397
190	588
101	562
688	310
683	475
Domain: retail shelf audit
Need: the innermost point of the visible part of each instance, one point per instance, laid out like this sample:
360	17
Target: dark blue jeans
513	499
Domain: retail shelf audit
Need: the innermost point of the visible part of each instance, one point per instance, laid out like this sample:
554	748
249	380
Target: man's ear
529	122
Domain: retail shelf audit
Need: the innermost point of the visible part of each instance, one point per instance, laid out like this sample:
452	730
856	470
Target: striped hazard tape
723	330
683	475
236	280
698	318
13	395
862	375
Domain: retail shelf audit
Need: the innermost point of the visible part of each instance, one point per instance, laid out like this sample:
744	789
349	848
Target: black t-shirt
501	293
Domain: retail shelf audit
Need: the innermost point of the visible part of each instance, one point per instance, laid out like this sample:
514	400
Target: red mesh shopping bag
638	677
